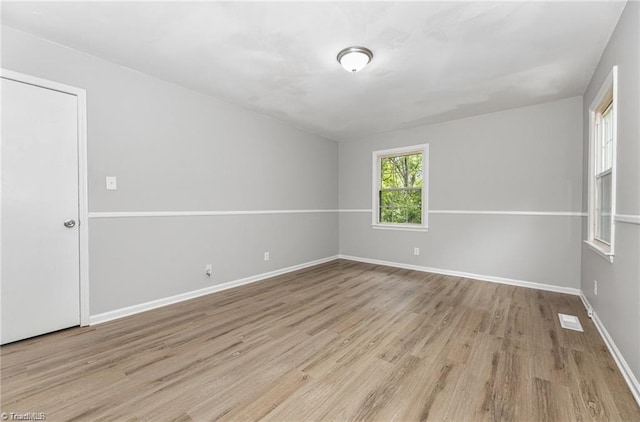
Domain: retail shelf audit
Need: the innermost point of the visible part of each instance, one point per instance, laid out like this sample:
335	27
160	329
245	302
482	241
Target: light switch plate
112	183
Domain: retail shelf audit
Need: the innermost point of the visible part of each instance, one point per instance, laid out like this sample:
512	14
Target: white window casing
422	149
603	113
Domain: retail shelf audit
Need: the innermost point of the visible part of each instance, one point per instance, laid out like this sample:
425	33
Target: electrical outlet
208	270
595	287
111	183
266	256
416	251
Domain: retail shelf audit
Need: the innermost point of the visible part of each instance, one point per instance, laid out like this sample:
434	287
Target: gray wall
618	301
176	150
526	159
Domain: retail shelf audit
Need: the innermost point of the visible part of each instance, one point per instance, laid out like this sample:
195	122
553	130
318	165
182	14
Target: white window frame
609	89
377	157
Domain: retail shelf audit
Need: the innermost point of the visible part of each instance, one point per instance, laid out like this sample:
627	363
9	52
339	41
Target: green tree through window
400	195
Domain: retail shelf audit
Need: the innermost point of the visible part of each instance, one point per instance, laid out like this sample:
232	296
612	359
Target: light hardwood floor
339	341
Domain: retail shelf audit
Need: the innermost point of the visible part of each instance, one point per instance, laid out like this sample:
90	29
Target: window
602	175
400	188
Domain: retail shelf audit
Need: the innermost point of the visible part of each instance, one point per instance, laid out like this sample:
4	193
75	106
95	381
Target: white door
40	285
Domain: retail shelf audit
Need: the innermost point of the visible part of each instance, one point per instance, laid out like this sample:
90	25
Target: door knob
69	223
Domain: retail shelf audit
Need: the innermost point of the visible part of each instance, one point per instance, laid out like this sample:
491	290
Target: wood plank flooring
339	341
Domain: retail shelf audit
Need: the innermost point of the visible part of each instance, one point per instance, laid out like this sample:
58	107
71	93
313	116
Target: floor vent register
570	322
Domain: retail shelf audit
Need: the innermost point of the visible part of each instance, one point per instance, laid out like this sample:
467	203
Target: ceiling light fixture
354	59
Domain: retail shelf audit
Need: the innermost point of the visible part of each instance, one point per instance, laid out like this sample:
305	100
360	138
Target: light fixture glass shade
354	59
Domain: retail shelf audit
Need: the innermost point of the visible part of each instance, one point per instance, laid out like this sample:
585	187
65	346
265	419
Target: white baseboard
628	375
142	307
493	279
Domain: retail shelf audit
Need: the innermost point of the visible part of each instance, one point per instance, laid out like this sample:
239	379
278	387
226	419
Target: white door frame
83	207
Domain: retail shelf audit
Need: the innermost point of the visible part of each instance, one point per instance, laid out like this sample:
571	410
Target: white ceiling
433	61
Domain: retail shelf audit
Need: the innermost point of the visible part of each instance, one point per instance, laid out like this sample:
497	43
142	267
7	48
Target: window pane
414	215
386	215
386	173
402	171
415	198
401	206
392	198
603	208
400	215
607	139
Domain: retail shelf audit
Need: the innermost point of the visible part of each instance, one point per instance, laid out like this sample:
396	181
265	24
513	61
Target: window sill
399	228
602	250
